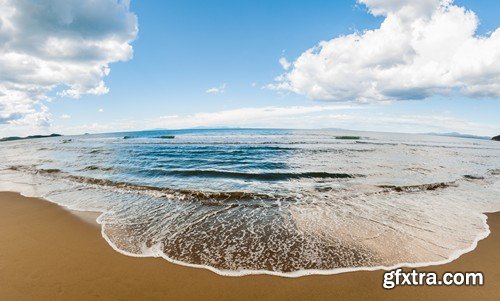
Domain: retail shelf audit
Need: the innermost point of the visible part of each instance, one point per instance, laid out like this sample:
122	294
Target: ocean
269	201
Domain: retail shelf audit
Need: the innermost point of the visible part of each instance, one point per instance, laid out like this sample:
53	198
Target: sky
77	66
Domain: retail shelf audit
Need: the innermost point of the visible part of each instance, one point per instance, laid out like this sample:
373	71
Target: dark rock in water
496	138
348	137
128	137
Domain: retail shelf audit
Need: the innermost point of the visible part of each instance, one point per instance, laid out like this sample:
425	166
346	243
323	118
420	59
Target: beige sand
47	253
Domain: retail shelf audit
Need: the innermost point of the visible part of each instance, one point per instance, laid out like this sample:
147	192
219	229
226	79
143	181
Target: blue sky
185	48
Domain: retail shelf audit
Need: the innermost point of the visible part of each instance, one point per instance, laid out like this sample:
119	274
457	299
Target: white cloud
65	116
259	116
100	110
422	48
285	63
406	8
64	44
112	126
217	90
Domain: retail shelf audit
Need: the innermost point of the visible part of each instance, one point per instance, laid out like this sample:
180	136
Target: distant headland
496	138
29	137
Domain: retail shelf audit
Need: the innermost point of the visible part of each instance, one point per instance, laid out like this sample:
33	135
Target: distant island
459	135
29	137
496	138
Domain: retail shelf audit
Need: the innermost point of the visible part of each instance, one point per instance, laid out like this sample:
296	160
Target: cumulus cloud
63	44
422	48
217	90
285	63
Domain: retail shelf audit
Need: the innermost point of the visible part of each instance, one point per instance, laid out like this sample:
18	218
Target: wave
263	176
208	197
473	177
51	170
35	170
185	194
98	151
94	167
494	172
182	194
420	187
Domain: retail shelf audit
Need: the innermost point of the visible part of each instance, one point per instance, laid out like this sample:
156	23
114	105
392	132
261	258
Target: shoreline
89	217
305	273
92	216
20	270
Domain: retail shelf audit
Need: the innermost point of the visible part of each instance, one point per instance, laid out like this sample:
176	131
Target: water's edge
156	252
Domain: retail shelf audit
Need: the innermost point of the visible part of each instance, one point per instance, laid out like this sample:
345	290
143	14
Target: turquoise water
287	202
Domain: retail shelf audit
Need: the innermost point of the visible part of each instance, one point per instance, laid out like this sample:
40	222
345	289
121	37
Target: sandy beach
48	253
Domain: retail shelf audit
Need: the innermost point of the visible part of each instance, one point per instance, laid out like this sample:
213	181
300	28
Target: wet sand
48	253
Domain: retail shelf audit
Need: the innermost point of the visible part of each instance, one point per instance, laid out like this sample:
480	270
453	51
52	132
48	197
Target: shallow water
287	202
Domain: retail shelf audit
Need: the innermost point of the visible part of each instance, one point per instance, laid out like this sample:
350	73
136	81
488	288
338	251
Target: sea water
282	202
